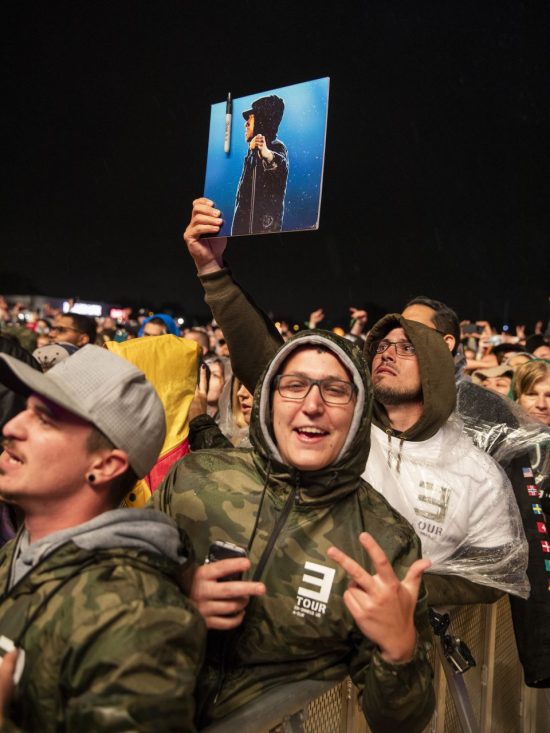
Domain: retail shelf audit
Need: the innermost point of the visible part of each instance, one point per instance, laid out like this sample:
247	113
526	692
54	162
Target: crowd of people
306	495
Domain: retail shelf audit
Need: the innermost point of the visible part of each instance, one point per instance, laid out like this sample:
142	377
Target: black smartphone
220	550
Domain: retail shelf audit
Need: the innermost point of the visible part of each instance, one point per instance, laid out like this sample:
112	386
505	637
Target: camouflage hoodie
301	628
111	643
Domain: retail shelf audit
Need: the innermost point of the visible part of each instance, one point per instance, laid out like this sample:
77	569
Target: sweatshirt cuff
217	275
396	668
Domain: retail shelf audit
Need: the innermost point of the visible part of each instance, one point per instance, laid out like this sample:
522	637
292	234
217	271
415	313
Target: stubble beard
393	396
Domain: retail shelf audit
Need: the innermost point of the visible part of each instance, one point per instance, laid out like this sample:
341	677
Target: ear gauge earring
90	478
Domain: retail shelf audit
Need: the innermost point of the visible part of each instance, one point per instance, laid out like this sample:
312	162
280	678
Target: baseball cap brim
247	113
25	380
498	371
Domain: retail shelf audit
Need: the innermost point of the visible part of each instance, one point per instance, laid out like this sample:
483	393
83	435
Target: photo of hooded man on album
267	178
259	203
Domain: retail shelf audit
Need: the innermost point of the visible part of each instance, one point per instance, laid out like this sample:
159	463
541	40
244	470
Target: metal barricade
489	698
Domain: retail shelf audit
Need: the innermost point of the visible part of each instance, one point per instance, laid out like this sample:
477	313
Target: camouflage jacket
111	643
301	628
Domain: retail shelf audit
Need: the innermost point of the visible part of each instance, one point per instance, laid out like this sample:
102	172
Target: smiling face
45	456
396	379
309	433
536	400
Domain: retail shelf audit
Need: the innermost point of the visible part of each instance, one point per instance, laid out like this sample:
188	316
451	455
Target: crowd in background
503	362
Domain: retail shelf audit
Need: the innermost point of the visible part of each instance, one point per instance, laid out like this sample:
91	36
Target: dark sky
436	175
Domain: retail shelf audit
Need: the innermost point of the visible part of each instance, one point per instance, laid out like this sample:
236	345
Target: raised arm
251	336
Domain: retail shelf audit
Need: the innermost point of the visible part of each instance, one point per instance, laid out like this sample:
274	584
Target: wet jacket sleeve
453	590
134	670
251	336
204	433
397	696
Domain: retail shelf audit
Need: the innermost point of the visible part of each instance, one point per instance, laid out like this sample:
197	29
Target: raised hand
316	317
381	604
207	253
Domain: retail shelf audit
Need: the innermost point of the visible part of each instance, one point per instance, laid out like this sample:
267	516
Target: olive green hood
436	372
346	470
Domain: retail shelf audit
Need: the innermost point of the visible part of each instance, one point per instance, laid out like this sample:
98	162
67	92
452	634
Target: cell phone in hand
220	550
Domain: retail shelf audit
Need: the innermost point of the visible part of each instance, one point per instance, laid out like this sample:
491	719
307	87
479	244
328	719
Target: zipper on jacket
292	498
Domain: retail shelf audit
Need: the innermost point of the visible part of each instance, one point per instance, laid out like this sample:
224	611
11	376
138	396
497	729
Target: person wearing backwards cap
259	204
89	595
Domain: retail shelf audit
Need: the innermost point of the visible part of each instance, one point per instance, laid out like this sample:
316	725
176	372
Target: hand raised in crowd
358	320
7	670
382	605
520	332
199	404
222	603
315	318
207	253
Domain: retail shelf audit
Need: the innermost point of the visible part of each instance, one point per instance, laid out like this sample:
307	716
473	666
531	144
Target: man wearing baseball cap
88	592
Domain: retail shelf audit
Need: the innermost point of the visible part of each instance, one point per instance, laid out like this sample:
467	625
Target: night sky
436	175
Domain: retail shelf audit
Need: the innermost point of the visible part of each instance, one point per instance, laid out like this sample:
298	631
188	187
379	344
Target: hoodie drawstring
253	535
399	451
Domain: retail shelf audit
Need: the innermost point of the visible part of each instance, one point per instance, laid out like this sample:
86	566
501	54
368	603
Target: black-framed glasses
402	348
297	387
64	329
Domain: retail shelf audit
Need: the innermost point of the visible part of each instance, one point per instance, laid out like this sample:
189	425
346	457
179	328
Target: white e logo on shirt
322	581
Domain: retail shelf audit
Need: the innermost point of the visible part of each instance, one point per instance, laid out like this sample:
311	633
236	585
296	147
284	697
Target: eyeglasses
402	348
63	329
297	387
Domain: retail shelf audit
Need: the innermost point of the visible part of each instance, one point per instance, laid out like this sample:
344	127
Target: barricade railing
489	698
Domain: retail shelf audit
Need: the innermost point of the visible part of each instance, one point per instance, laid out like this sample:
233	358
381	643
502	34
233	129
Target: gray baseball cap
104	389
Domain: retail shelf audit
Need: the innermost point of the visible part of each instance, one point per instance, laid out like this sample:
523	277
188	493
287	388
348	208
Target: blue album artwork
265	169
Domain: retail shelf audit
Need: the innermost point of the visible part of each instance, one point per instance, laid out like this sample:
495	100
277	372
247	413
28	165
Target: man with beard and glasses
455	496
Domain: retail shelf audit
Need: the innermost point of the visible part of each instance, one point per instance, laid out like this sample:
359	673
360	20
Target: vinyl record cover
266	175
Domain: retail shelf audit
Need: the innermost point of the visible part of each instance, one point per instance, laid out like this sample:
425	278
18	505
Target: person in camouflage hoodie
89	594
319	598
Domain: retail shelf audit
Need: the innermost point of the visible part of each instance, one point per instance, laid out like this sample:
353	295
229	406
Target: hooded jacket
457	498
288	519
253	339
110	641
436	372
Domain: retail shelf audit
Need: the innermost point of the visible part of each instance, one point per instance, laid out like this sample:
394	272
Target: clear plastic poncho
460	503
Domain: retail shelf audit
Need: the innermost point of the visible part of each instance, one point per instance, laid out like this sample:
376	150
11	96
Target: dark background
435	176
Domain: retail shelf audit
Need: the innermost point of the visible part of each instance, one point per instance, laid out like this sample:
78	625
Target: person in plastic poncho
475	572
497	426
457	498
296	500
